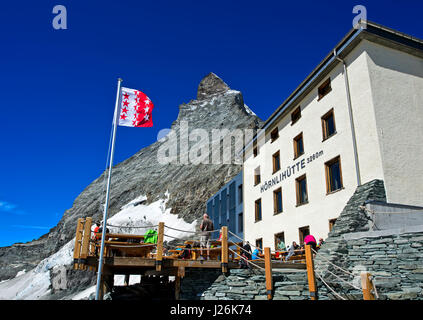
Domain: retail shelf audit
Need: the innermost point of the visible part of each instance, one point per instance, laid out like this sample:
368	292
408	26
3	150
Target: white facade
386	88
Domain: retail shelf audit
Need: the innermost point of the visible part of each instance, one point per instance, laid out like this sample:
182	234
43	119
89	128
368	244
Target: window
232	195
210	209
259	244
279	237
258	209
301	186
216	211
324	89
298	146
224	207
255	149
240	194
328	125
333	175
331	224
303	232
240	222
274	135
295	115
257	176
277	201
231	207
276	159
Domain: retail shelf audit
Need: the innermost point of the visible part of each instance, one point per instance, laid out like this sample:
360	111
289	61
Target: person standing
97	227
96	236
247	250
206	226
245	255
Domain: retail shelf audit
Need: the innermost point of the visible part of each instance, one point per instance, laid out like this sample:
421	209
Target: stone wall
394	260
243	284
394	257
354	219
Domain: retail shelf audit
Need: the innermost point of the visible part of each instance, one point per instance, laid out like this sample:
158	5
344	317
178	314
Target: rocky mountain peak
209	85
185	183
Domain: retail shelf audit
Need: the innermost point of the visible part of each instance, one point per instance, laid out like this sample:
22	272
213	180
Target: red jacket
95	233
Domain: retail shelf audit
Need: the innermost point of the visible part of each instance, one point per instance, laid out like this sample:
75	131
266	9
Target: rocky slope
188	185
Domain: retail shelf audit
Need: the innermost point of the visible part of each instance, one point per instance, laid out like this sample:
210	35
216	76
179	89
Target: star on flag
135	109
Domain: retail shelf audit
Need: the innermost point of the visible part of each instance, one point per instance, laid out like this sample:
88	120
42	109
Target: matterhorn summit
144	190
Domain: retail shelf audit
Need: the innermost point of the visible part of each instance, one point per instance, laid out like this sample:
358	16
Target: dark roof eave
373	32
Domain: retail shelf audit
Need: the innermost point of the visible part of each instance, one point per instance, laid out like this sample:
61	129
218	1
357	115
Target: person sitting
292	249
321	242
186	254
255	255
280	247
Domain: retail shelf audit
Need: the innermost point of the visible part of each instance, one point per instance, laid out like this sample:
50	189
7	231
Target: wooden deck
128	254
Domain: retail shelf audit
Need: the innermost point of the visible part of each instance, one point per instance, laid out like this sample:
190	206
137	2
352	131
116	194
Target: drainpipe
347	88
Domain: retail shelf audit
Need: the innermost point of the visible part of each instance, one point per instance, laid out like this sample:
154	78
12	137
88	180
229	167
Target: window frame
255	149
257	246
240	194
332	223
240	215
327	173
257	180
295	143
275	201
297	189
301	236
294	113
258	201
320	94
278	154
272	137
324	119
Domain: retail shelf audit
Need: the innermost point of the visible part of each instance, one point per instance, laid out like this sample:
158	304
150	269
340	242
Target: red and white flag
135	109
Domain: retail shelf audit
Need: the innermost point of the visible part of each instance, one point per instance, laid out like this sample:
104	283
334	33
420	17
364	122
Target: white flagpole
106	206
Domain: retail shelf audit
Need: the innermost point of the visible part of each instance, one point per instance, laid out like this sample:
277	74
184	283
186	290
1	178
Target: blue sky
58	86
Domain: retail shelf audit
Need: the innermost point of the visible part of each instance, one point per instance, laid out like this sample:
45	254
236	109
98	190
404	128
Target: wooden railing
87	244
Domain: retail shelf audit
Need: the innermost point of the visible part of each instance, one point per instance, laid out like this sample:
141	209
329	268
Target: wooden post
366	286
106	282
181	272
224	254
310	272
177	287
159	254
126	280
77	247
109	283
86	242
91	252
268	270
101	289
